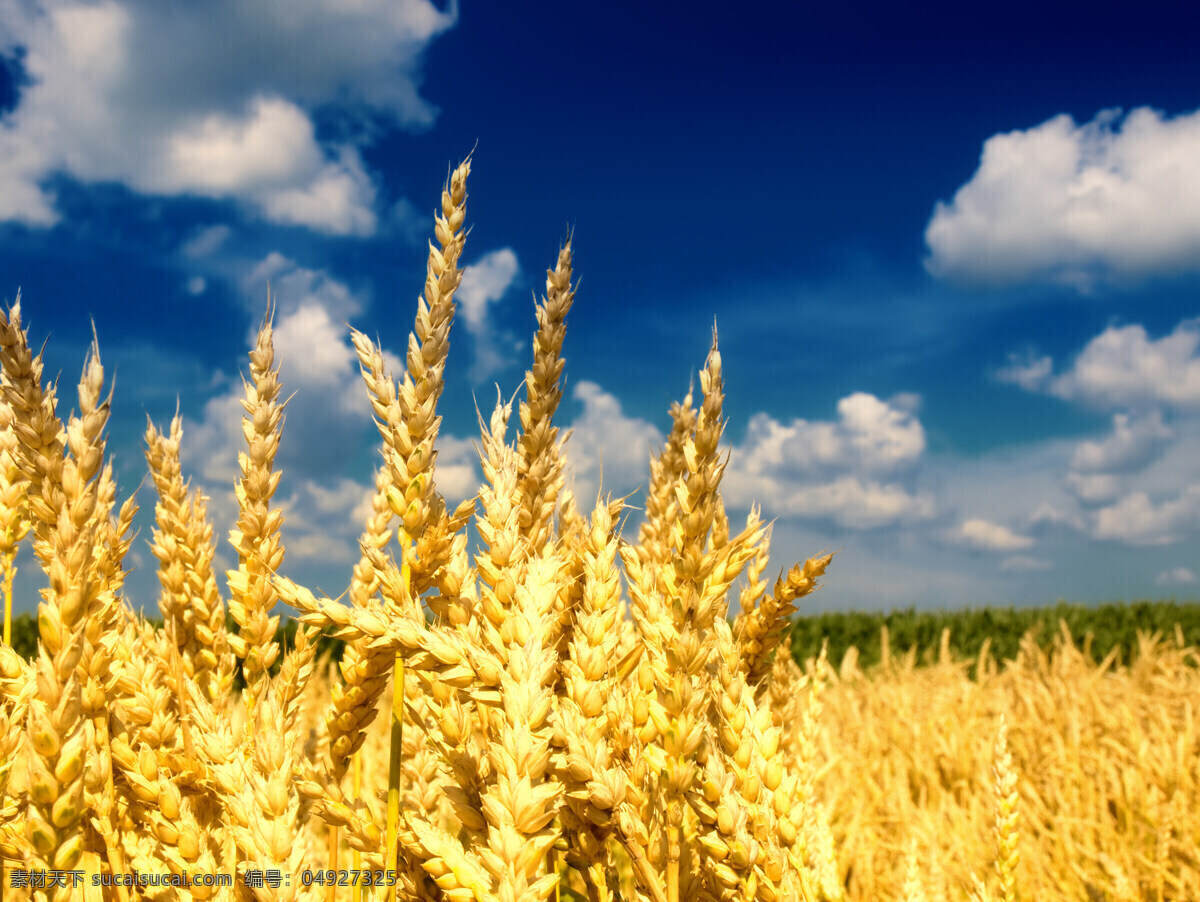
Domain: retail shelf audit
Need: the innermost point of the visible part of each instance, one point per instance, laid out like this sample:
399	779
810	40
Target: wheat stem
10	571
332	863
396	737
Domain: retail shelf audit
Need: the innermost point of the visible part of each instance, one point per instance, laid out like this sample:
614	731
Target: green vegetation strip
1113	625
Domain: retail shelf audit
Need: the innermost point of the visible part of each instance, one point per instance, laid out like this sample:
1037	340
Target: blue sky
954	261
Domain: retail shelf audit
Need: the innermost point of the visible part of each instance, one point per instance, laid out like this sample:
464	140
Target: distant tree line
1100	629
1110	626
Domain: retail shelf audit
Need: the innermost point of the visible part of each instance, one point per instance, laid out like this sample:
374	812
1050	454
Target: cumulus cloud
984	535
1137	520
1124	484
336	199
312	351
1099	470
483	284
849	470
211	100
851	502
1114	198
869	435
210	444
1134	443
327	412
322	520
605	440
1122	367
318	369
1048	514
294	286
457	472
1093	488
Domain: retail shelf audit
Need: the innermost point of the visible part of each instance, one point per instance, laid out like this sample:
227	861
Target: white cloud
312	350
882	437
1134	443
1046	513
604	439
1100	470
1114	198
984	535
869	435
1126	484
270	265
337	200
844	470
196	285
318	370
1121	368
294	286
1093	488
1137	520
210	446
457	473
271	141
1175	576
851	502
213	100
1028	371
483	284
322	520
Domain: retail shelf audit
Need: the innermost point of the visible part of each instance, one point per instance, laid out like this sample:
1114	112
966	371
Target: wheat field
568	712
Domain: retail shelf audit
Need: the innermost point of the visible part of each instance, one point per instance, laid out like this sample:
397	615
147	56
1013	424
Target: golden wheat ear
256	536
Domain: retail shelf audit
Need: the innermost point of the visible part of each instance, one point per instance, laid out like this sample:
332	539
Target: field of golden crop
586	714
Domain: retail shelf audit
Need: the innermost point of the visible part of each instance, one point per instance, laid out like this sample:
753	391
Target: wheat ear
60	732
540	465
760	628
1007	817
256	535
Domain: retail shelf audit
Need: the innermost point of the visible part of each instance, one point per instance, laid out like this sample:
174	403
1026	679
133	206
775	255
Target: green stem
396	749
359	893
10	570
394	760
332	859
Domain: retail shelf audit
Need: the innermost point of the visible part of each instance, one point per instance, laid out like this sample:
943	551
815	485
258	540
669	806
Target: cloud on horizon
1135	486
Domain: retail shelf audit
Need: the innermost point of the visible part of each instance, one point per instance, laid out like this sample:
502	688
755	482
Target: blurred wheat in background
570	712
